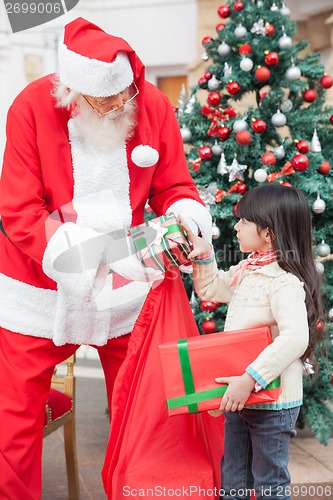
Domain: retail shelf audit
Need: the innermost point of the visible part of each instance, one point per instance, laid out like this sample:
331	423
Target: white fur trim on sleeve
72	256
192	209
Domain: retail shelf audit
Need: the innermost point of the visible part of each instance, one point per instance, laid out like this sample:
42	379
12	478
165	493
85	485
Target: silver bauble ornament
330	314
280	152
240	31
213	83
319	205
285	42
216	149
239	125
260	175
320	267
223	49
212	188
274	7
286	106
205	57
279	119
323	249
246	64
216	233
293	73
285	11
186	134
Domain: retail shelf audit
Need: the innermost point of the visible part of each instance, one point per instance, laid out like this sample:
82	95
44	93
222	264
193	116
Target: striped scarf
254	261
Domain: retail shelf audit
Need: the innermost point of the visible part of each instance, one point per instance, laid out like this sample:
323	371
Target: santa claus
86	150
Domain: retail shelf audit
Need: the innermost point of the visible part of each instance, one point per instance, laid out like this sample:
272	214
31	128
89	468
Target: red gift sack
190	367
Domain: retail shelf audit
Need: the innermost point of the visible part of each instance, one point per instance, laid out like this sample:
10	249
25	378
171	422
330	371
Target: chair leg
71	460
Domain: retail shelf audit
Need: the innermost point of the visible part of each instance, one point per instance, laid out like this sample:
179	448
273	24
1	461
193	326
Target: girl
277	285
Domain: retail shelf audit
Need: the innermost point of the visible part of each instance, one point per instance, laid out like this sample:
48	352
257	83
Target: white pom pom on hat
144	156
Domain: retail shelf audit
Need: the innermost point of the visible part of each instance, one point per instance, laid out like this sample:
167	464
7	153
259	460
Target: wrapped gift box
165	245
190	366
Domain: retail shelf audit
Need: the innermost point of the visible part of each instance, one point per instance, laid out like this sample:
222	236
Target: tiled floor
311	464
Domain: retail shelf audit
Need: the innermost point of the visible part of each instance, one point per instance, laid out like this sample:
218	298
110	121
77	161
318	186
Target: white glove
131	268
192	225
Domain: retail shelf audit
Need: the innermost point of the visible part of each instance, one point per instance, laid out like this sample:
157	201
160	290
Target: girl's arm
209	282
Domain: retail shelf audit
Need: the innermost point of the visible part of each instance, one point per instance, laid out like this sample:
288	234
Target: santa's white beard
104	132
101	132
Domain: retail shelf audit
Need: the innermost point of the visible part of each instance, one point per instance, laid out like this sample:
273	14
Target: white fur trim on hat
144	156
94	77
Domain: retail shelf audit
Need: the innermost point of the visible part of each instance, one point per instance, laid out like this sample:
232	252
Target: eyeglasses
104	101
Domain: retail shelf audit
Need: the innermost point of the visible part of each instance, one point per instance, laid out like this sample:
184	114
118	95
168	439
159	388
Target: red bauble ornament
223	133
206	40
241	188
233	88
263	95
300	162
208	305
310	95
238	6
259	126
245	49
302	146
331	120
268	158
202	82
208	326
220	27
324	168
270	30
262	74
224	11
207	75
214	98
243	137
272	58
286	183
205	152
326	82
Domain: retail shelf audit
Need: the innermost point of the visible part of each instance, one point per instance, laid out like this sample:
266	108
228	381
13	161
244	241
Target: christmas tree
258	114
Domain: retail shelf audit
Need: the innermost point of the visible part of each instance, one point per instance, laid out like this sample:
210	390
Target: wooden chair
60	411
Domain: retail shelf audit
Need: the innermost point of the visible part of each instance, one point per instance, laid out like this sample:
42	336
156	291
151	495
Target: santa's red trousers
28	363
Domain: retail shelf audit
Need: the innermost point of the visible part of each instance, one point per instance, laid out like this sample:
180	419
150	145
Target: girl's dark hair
285	212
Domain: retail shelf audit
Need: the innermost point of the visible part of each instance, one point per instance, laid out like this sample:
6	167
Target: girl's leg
271	431
26	368
237	480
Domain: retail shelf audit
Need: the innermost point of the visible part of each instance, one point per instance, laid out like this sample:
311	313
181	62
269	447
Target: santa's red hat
94	62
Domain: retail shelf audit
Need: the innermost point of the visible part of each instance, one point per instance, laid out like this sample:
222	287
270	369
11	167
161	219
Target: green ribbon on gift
192	398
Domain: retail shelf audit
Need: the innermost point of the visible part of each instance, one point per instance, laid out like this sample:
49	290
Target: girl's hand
200	246
237	393
215	413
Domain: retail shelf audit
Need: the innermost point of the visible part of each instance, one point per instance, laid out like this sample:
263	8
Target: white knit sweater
266	296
